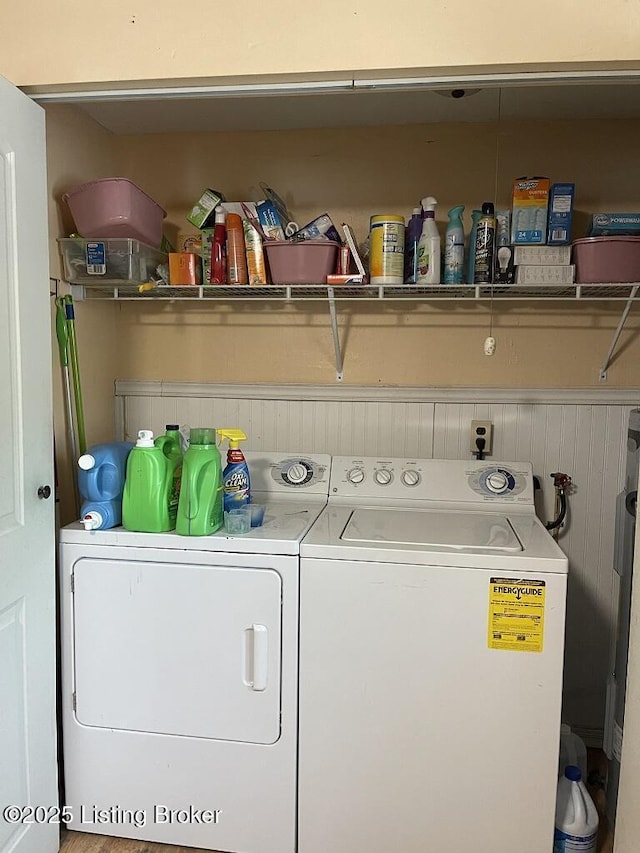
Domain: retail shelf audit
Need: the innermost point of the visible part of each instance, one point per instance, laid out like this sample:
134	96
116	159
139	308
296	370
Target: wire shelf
361	292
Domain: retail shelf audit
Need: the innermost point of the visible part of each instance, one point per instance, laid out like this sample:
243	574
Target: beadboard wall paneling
580	433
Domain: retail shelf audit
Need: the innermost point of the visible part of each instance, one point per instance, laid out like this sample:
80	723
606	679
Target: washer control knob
410	478
355	476
297	473
497	482
383	476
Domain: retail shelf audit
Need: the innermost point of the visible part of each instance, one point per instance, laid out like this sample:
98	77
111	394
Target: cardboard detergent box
560	214
203	212
529	211
272	219
615	225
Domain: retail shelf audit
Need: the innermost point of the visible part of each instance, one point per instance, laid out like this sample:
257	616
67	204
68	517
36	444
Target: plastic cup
257	514
238	521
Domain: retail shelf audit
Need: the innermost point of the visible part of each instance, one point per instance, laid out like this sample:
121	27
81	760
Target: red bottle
219	250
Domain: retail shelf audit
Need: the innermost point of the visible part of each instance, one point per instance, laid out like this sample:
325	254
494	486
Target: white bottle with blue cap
576	815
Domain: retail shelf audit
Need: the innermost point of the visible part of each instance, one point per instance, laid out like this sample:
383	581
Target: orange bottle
236	257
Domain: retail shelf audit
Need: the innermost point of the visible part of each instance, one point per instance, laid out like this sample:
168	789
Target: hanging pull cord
562	484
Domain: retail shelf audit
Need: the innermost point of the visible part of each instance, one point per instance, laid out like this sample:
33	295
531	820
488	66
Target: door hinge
74	700
73	582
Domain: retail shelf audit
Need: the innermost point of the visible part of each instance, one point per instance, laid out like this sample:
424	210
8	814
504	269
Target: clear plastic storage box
110	261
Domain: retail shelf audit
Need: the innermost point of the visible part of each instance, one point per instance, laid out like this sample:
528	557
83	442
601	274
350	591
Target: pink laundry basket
306	262
607	260
115	207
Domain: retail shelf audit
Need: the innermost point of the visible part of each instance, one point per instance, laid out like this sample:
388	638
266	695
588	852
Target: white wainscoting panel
581	433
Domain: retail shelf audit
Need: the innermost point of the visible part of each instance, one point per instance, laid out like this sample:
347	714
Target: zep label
516	614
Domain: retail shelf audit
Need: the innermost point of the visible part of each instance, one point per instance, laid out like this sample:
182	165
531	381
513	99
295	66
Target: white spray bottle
429	245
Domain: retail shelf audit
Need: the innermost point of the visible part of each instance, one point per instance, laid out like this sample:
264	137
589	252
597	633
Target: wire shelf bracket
617	333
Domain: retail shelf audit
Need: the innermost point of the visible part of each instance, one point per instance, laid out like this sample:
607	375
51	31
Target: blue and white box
615	225
561	198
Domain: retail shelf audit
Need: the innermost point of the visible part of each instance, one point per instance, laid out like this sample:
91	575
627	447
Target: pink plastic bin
309	262
607	260
115	207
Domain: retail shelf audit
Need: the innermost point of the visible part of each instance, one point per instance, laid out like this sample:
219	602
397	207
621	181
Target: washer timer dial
297	473
355	476
497	482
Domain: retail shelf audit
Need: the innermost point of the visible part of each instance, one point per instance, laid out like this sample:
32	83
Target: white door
28	775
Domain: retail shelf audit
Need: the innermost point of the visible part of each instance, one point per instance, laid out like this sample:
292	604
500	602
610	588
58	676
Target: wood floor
83	842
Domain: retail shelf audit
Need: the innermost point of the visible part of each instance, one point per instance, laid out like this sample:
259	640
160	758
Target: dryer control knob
355	476
383	476
410	478
497	482
297	473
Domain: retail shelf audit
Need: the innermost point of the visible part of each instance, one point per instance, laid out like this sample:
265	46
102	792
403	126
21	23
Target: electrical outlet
481	429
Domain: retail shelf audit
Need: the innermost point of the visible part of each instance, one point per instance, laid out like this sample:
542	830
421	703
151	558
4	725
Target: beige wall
79	150
352	174
44	43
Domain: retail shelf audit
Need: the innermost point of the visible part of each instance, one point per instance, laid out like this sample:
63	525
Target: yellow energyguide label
516	614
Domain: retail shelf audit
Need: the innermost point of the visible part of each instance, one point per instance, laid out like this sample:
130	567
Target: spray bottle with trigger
428	264
235	477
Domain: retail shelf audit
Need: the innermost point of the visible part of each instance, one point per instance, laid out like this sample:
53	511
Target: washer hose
561	483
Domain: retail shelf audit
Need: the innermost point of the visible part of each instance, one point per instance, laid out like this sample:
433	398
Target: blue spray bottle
454	247
235	477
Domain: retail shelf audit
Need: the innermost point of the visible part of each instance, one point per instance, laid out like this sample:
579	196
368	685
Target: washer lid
459	531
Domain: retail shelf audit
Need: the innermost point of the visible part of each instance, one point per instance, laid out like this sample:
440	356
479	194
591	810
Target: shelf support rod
618	332
336	336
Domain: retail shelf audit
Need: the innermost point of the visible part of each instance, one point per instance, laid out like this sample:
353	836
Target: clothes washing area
125	316
432	607
431	625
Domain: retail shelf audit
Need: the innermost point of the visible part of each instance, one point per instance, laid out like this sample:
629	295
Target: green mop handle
61	332
75	372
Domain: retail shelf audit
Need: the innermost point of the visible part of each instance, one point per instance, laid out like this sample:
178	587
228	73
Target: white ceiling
364	108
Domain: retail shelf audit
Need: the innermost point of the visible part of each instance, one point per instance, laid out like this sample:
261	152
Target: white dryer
432	606
180	673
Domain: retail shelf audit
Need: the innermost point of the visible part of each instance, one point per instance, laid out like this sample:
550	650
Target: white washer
432	605
180	673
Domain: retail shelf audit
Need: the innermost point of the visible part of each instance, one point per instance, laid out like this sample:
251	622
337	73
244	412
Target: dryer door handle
257	657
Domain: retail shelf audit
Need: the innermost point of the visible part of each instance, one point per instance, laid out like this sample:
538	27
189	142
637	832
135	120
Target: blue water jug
101	478
101	515
102	471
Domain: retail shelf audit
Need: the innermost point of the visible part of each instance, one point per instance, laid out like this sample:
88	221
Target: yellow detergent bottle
235	477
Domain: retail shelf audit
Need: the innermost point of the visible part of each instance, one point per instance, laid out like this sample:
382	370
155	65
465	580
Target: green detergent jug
200	506
152	485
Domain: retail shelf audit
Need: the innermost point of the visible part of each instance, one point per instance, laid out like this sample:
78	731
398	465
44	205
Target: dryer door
178	649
